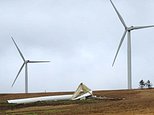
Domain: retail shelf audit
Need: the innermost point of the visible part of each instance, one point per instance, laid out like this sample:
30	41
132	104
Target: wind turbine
25	63
128	32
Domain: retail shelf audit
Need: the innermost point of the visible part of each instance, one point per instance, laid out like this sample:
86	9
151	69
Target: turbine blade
38	61
18	74
121	41
18	49
142	27
120	17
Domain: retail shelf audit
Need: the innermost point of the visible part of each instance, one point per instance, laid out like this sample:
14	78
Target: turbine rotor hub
26	61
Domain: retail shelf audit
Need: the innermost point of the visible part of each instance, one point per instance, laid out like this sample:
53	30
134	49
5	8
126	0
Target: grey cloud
79	38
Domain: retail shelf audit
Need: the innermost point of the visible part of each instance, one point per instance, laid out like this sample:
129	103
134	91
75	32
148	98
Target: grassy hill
125	102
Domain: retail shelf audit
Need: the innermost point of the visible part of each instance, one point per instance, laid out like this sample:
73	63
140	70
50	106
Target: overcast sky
80	38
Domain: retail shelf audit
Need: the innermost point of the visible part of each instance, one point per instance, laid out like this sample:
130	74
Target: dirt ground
125	102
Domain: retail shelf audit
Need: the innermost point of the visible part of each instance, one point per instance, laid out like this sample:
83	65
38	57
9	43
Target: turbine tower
128	32
25	63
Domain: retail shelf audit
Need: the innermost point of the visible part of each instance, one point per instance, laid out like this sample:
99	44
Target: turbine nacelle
130	28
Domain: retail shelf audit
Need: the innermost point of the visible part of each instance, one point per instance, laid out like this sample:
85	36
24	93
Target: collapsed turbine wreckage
82	92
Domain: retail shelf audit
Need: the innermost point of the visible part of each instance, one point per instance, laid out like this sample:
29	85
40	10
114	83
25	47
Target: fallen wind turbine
25	63
82	92
128	32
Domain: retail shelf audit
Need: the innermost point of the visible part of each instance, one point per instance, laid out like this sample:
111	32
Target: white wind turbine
128	32
26	68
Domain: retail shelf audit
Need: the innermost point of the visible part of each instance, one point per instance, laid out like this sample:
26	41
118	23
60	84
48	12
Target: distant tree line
143	84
